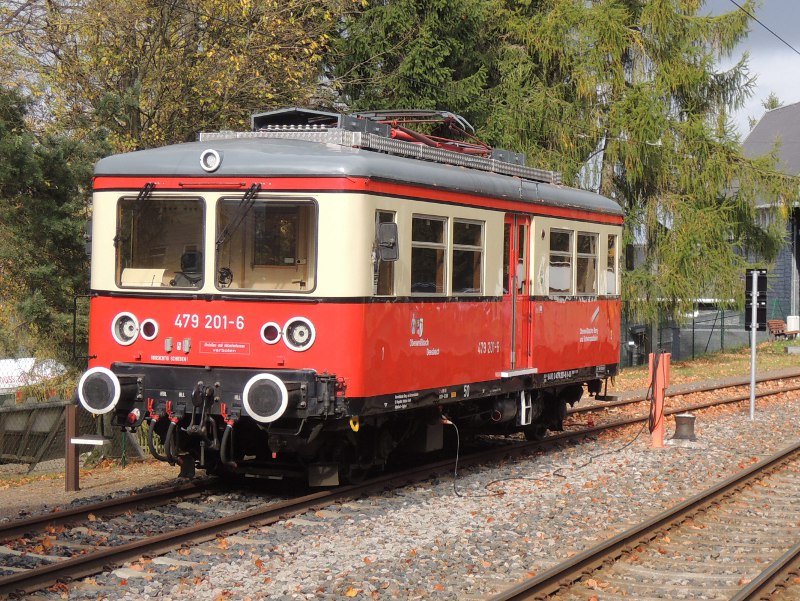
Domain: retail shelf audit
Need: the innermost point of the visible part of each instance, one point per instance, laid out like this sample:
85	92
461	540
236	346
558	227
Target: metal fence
704	331
35	431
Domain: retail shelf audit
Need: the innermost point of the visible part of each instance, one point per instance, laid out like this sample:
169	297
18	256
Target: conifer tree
44	193
416	54
622	96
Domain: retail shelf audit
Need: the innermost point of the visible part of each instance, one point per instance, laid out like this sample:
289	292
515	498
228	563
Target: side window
428	251
383	271
611	266
507	258
467	257
586	264
560	269
522	259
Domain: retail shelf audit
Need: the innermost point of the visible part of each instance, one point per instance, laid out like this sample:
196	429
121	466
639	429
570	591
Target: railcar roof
271	157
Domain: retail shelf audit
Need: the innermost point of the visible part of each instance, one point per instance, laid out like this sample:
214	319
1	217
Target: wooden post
660	380
71	469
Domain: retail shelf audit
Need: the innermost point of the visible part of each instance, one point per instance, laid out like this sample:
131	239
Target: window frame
378	264
580	255
436	246
612	261
308	239
160	250
570	254
468	248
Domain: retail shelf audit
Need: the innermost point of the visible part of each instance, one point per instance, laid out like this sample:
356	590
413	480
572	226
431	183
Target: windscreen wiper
247	202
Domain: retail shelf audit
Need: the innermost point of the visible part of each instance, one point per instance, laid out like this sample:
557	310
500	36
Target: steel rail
85	565
672	411
675	391
773	576
573	569
12	529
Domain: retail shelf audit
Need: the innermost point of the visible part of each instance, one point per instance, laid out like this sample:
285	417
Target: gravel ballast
502	522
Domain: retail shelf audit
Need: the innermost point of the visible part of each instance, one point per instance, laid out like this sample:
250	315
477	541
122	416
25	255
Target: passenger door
517	294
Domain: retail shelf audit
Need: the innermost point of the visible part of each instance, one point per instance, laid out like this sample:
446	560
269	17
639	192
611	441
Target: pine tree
416	54
44	194
622	96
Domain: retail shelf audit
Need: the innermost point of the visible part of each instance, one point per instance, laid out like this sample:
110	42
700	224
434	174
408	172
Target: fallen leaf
351	592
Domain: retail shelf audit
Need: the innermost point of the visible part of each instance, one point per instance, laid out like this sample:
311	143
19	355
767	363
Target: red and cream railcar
315	294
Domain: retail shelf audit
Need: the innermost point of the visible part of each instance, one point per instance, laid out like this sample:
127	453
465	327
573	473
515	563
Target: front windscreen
266	245
159	242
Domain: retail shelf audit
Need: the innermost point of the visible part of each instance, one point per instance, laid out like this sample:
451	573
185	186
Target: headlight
149	329
271	332
125	328
299	334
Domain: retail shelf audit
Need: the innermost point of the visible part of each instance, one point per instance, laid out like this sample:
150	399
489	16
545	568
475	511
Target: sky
776	67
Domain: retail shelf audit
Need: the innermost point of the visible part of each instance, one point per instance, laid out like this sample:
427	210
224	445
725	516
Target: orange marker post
660	382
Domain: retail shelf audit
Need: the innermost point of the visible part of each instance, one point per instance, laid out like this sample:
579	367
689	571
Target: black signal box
759	297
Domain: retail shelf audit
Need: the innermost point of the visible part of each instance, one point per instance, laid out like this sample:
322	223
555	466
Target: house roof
781	125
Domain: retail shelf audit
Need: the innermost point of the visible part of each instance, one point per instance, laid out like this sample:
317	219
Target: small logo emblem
417	325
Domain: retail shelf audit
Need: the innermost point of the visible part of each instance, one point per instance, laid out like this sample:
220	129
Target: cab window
159	242
265	245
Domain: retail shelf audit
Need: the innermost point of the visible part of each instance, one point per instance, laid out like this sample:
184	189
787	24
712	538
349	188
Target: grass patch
722	364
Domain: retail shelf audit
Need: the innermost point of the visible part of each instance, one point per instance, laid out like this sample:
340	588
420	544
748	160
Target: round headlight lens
149	329
125	328
210	160
271	332
299	334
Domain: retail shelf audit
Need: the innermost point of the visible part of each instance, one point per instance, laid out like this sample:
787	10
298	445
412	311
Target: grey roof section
781	125
296	158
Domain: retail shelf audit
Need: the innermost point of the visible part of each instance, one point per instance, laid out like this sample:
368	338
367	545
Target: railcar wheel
535	432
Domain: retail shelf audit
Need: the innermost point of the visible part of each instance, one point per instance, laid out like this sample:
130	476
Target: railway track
714	545
44	566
